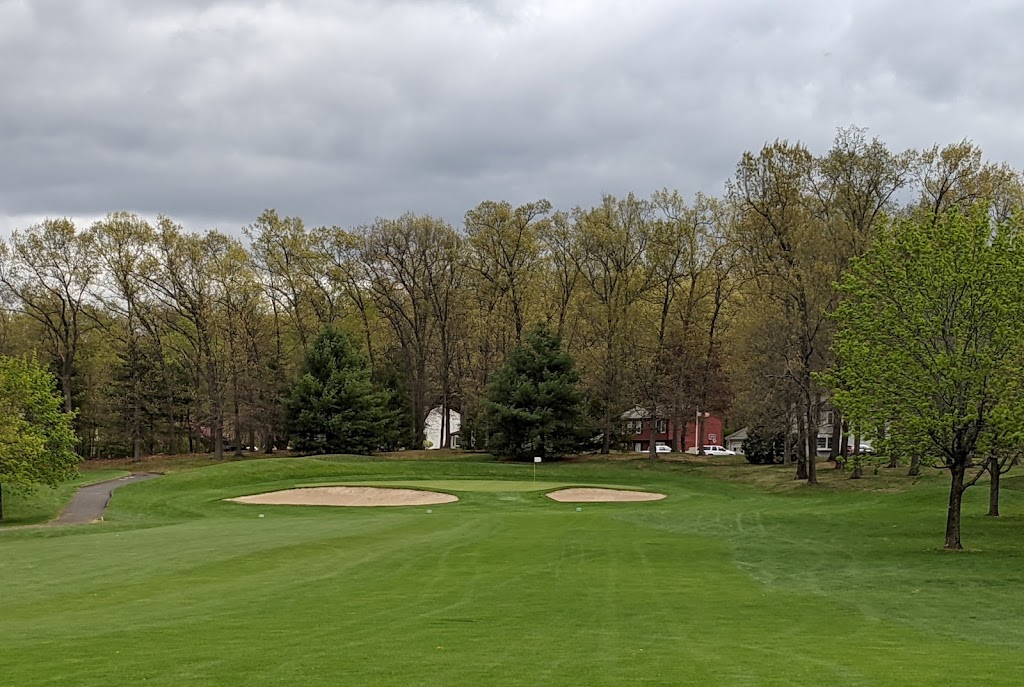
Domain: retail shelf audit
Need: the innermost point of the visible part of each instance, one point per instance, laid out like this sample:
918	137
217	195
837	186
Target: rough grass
46	503
164	463
727	582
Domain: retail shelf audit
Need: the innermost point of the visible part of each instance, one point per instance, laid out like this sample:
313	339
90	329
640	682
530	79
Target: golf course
737	577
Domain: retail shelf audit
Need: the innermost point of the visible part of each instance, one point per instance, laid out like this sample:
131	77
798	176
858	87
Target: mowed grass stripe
723	586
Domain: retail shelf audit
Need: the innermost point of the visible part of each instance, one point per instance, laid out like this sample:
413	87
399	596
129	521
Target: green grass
46	503
723	583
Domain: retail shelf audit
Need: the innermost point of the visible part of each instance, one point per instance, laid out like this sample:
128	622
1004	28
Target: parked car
865	447
660	448
713	450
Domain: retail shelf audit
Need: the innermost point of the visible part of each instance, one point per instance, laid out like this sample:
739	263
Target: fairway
721	583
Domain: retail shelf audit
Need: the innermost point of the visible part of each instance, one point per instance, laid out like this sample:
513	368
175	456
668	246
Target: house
734	442
824	437
639	429
825	429
432	429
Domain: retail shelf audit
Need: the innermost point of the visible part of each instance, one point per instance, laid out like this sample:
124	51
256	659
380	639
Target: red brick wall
713	432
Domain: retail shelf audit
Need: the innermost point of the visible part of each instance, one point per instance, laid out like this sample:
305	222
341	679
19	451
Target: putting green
483	485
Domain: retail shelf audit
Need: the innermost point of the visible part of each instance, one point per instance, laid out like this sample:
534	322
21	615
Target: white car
660	448
713	450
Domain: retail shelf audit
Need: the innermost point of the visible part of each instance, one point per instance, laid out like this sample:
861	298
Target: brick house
639	428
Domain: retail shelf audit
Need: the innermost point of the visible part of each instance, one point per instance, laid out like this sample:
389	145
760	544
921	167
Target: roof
737	436
636	413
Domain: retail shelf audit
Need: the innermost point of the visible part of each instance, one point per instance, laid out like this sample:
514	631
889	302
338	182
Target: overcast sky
344	110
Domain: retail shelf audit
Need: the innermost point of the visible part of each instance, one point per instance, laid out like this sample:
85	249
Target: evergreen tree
334	406
401	423
533	405
37	440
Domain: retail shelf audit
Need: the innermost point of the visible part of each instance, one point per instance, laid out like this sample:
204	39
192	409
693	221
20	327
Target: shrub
764	448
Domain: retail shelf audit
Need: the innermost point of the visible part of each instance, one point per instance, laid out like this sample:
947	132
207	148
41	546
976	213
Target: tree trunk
239	435
844	449
65	383
136	421
956	495
837	436
446	437
801	448
993	487
787	448
172	434
858	471
698	434
915	466
218	441
894	460
812	443
652	448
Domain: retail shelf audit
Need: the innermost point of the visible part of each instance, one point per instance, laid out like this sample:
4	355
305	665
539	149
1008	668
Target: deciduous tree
929	333
37	439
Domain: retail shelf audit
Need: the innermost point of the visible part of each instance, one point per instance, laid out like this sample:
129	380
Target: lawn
723	583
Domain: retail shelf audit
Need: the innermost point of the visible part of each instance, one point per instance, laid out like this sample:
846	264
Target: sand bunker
589	495
348	496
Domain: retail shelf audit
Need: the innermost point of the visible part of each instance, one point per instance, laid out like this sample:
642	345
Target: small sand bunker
348	496
589	495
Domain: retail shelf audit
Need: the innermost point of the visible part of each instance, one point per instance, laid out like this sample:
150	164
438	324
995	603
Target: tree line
169	340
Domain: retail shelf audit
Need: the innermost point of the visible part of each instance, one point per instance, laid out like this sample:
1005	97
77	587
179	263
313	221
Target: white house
734	442
432	429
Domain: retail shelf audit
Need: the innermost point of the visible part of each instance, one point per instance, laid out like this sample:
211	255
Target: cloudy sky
343	110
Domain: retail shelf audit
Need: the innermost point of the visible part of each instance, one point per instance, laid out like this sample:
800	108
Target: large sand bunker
348	496
590	495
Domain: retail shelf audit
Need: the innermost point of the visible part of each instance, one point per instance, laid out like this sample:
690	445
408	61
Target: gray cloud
210	111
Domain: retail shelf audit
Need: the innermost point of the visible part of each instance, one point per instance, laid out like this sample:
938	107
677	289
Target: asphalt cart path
89	502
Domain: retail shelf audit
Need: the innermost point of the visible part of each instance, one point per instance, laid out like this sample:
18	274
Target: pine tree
533	405
401	423
334	406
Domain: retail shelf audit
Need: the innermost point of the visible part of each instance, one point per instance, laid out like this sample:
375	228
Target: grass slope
720	584
46	503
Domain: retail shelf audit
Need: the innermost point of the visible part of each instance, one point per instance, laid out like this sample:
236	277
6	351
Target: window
824	443
828	417
662	426
634	426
